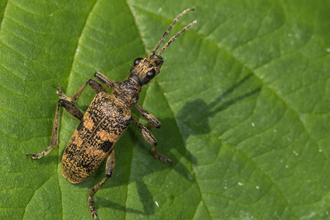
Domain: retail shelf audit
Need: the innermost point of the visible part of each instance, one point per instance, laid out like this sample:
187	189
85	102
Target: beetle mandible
107	118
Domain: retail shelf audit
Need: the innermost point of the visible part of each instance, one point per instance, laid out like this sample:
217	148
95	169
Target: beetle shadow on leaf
112	205
144	196
195	115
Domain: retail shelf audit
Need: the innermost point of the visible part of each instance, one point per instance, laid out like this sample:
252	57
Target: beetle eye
137	61
151	74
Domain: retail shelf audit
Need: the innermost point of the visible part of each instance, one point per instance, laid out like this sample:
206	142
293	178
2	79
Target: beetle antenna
175	37
168	30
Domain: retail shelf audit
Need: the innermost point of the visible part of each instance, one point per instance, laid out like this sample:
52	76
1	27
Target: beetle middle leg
147	135
73	110
109	168
66	102
152	120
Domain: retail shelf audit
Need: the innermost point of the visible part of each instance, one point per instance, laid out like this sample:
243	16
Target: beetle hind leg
109	168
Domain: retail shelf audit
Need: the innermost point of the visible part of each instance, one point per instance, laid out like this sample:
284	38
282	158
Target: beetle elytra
107	118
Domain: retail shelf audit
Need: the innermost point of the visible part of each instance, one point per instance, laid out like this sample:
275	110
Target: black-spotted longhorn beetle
107	118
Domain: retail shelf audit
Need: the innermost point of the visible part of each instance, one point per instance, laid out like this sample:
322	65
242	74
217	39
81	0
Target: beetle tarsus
92	207
61	94
160	157
41	154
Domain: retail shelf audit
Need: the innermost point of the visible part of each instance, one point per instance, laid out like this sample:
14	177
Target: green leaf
243	98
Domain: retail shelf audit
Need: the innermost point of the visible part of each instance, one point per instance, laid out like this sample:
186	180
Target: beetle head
145	69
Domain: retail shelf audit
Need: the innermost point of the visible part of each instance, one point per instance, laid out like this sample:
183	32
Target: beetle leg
105	80
147	135
109	168
152	120
73	110
97	87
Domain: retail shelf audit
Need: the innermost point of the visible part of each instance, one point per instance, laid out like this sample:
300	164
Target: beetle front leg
152	120
109	168
105	80
97	87
73	110
147	135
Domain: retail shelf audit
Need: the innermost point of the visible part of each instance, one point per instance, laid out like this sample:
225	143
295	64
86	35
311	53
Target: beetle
107	118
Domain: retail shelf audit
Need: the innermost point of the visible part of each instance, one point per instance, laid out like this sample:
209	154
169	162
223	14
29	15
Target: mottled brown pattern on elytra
110	121
78	166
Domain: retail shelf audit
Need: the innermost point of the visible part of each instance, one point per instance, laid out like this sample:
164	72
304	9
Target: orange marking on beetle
113	137
90	150
88	122
103	135
77	140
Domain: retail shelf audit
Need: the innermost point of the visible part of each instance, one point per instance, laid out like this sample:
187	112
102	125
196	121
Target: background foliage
243	98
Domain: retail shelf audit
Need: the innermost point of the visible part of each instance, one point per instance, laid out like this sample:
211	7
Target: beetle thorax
127	92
